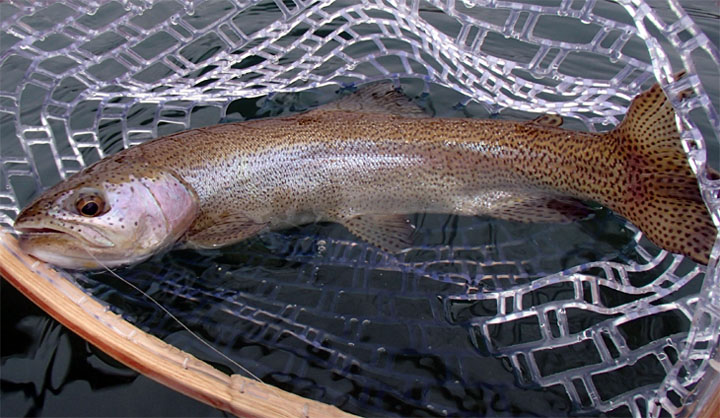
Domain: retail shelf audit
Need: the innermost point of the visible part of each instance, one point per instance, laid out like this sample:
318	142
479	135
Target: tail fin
662	197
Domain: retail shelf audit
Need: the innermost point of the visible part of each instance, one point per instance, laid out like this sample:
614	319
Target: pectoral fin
540	209
212	232
389	232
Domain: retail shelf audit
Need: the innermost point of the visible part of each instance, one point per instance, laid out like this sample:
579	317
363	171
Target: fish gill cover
479	313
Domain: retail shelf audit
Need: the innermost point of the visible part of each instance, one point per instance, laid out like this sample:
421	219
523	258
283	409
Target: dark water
48	371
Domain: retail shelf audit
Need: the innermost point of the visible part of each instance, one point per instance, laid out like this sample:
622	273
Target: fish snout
31	227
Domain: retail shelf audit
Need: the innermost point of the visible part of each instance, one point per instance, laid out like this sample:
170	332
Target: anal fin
389	232
541	208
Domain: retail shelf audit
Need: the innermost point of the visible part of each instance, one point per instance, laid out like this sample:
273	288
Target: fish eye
90	206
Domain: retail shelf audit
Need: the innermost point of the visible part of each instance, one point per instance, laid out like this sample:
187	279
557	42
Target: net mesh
573	318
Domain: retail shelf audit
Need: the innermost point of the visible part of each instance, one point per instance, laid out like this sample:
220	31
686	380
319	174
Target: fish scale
372	158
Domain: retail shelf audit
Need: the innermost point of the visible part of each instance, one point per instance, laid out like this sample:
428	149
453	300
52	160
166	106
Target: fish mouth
71	250
87	235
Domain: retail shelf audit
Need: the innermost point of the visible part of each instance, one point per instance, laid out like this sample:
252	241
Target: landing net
480	315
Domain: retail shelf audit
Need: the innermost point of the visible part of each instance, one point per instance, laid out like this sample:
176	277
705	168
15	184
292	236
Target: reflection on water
314	311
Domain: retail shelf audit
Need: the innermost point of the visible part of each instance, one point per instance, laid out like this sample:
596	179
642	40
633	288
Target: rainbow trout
366	162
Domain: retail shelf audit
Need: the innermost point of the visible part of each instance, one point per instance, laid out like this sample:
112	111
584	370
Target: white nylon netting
80	80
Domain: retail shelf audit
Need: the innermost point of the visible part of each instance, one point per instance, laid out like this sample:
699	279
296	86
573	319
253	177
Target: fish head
108	215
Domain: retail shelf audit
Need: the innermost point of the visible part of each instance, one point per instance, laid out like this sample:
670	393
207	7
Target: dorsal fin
548	120
382	97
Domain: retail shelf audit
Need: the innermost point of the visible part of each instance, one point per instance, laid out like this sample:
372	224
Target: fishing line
159	305
174	318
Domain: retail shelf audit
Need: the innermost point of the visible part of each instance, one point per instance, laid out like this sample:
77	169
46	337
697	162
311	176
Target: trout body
367	161
332	167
